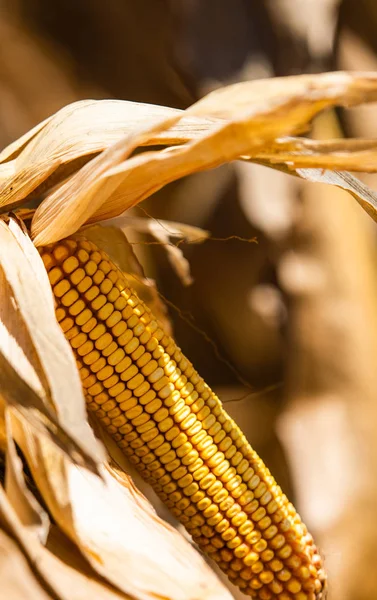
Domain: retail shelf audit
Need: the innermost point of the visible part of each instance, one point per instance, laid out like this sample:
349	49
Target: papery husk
126	543
96	139
38	372
162	231
256	113
29	569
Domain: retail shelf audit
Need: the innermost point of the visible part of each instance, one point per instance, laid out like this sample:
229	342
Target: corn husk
46	416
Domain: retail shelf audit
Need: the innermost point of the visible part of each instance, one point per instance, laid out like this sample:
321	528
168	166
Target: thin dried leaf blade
63	142
162	231
125	543
28	509
111	185
35	358
296	153
113	241
366	197
17	578
347	88
91	185
60	570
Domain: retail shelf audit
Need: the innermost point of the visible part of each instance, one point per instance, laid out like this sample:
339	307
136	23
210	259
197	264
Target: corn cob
175	431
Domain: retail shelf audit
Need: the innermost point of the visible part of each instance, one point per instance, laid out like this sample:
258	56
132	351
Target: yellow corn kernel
174	429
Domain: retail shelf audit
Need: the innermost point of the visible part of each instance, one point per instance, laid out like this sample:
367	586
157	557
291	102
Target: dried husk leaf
162	231
295	153
110	183
366	197
100	185
64	142
348	88
172	229
18	581
28	509
3	434
80	131
57	571
39	375
362	193
76	577
112	240
126	544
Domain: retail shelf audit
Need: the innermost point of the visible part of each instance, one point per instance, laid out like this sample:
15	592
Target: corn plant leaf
76	576
349	89
127	545
296	153
3	433
94	175
163	231
363	194
54	148
250	116
15	148
172	229
114	242
58	571
28	509
366	197
18	581
38	370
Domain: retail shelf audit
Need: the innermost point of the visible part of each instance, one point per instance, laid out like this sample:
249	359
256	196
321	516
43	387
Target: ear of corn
175	431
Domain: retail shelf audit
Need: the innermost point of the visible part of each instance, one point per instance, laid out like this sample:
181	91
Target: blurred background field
291	318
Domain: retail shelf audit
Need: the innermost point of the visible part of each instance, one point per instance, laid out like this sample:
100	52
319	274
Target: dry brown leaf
14	149
295	153
130	547
28	509
366	197
60	570
348	88
172	229
114	242
75	576
3	435
95	175
83	129
110	183
18	581
162	231
38	370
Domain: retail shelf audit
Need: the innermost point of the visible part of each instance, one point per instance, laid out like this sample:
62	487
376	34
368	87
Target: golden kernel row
175	431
